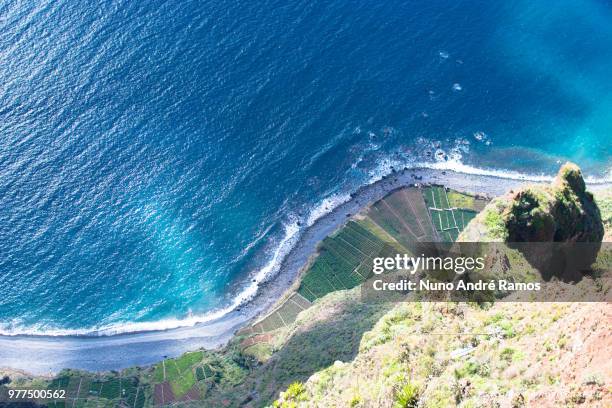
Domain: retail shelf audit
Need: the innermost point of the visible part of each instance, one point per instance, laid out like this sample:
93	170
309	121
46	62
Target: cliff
513	354
559	212
342	351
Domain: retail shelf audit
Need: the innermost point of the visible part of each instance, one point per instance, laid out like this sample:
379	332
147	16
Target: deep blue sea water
155	157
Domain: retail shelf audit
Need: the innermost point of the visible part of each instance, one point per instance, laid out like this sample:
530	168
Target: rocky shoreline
46	354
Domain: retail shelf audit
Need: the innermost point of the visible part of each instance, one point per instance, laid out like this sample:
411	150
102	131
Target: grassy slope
604	202
345	353
515	354
534	354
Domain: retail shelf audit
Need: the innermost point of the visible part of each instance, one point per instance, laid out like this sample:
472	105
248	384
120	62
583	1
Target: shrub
507	354
355	401
295	391
495	224
471	368
407	396
507	329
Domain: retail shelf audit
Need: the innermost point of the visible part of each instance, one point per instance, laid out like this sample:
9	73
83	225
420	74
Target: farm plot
398	223
98	391
450	210
463	217
404	216
442	214
340	261
281	316
178	374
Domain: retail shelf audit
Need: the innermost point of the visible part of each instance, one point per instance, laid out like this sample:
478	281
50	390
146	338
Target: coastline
41	355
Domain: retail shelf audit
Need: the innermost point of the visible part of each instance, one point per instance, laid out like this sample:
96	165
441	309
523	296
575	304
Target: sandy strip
46	355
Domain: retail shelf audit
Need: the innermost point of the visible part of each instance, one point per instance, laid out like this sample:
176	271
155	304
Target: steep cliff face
604	202
560	212
512	354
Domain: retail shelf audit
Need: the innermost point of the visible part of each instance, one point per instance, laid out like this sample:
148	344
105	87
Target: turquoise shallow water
157	158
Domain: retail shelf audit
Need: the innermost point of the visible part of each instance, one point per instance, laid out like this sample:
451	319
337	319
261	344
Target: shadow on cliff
557	227
562	224
317	345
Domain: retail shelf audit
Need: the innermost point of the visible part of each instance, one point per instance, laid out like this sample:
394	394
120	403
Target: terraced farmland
181	379
396	223
343	261
97	391
404	215
450	211
281	316
188	377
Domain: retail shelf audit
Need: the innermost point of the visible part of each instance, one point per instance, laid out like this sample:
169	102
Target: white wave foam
292	233
452	161
288	241
458	166
326	206
385	167
285	245
112	329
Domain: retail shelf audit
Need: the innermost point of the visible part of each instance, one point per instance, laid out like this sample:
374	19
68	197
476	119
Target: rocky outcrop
563	211
557	228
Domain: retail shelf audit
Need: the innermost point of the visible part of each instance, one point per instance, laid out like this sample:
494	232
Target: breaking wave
292	232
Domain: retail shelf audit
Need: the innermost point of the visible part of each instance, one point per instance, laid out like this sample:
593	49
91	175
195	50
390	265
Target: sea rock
550	219
563	211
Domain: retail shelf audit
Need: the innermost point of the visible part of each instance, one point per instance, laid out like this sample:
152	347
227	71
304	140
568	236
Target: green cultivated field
342	261
450	211
396	223
91	390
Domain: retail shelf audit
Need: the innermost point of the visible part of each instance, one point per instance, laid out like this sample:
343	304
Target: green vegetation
507	354
604	202
260	352
280	317
398	365
560	211
404	216
450	211
178	373
461	200
295	393
88	389
323	346
407	396
344	261
495	224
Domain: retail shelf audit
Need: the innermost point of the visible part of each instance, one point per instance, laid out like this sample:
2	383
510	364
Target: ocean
159	159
